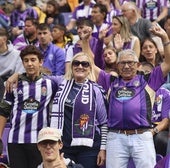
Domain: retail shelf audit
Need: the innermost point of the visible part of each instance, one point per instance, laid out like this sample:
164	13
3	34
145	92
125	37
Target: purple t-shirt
130	103
161	105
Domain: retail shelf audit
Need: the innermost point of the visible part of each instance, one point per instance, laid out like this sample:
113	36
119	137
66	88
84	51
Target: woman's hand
118	42
101	157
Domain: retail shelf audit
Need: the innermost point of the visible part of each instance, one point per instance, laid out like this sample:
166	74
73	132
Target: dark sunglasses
76	63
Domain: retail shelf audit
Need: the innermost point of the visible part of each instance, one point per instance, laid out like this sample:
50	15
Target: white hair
127	52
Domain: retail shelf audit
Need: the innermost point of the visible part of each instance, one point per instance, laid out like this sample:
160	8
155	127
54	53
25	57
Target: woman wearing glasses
79	111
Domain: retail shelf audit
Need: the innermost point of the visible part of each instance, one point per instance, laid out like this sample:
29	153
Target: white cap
49	133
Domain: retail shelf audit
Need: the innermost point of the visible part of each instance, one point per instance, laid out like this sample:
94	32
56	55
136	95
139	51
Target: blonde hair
91	75
125	31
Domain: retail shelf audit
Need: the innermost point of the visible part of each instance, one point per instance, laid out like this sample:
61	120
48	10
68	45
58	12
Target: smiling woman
79	110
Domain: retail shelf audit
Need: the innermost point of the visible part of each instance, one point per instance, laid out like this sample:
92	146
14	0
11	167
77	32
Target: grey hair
127	52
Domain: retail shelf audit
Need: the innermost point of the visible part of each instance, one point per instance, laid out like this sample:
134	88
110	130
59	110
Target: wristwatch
155	130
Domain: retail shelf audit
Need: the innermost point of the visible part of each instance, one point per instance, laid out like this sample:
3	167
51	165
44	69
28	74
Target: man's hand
11	82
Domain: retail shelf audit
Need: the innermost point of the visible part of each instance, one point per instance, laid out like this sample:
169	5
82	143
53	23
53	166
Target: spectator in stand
139	26
150	52
167	25
98	17
4	19
111	9
64	6
96	45
83	10
61	37
18	16
28	108
160	115
110	58
50	144
10	62
155	11
29	35
40	8
122	36
129	121
79	111
53	16
54	57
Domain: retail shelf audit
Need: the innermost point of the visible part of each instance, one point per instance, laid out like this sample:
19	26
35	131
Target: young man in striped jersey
28	104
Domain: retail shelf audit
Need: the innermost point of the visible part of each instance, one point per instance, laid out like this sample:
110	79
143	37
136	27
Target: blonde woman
79	111
122	36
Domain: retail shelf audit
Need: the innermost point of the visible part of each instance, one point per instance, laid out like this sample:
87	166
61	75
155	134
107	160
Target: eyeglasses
48	142
129	63
84	64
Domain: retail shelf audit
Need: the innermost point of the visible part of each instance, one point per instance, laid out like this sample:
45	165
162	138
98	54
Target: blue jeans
121	147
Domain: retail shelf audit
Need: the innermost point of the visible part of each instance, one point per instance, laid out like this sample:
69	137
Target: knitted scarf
83	114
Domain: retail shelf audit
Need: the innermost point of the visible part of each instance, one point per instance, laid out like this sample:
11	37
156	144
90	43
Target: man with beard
29	36
18	16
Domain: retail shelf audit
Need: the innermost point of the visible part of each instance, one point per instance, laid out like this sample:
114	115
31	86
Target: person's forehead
127	57
81	58
43	31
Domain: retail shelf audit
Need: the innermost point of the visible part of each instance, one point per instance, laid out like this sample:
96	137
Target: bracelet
167	43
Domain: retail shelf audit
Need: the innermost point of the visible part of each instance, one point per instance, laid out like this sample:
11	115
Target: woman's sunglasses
84	64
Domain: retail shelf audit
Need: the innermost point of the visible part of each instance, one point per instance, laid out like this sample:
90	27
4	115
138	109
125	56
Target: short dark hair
84	21
43	26
3	32
33	20
60	27
31	49
102	8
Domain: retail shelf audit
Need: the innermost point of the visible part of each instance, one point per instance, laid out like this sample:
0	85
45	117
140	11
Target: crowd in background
59	30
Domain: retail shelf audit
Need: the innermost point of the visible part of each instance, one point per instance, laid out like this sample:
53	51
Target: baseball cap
49	133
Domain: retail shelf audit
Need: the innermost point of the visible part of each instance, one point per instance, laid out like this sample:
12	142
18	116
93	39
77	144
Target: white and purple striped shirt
30	109
151	9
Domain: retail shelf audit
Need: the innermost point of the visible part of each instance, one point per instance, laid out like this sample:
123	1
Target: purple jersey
30	108
151	9
130	103
161	106
97	29
18	17
83	11
21	42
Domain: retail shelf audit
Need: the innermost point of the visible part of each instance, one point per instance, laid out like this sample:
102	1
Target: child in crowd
53	16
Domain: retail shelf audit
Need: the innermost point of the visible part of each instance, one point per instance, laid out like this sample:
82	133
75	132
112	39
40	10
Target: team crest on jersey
83	125
50	56
136	83
30	106
151	5
44	91
124	93
158	100
20	92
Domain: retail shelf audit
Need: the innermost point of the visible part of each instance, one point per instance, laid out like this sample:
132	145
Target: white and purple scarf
83	114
